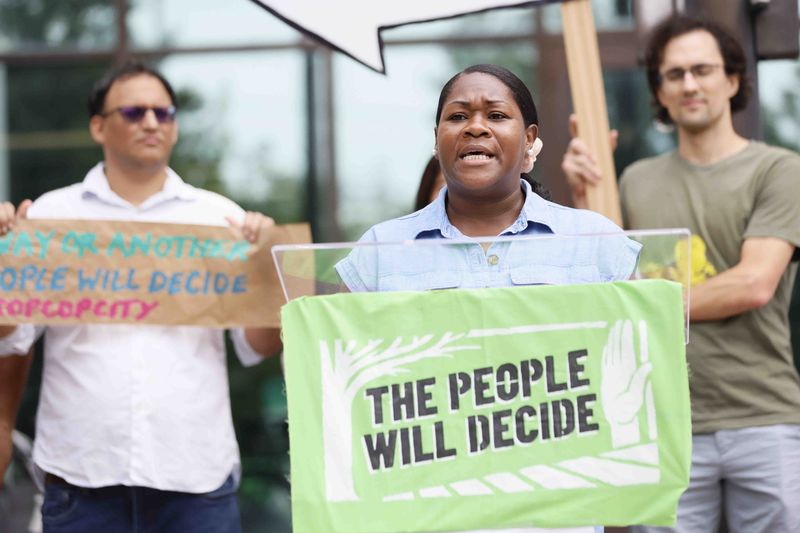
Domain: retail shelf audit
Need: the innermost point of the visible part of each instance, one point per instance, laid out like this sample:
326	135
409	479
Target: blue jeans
120	509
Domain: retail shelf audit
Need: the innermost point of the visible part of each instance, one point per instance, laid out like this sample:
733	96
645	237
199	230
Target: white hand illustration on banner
623	382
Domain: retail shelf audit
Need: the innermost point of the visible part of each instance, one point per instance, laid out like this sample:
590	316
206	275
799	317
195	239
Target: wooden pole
589	101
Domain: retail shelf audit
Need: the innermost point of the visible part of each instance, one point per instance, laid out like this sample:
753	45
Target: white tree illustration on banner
344	372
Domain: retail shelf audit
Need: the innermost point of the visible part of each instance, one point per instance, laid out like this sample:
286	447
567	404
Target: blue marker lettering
132	285
220	283
8	278
239	251
199	248
79	243
116	286
179	240
57	283
40	274
163	246
44	242
117	243
26	273
157	281
191	276
142	245
175	283
216	249
239	284
23	241
86	282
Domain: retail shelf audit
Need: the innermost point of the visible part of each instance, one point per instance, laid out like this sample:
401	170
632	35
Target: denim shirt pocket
554	274
420	281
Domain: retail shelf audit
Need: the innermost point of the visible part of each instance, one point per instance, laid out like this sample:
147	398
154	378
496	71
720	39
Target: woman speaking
485	138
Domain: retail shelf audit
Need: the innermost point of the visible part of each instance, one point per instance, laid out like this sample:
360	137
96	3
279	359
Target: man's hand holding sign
254	227
8	220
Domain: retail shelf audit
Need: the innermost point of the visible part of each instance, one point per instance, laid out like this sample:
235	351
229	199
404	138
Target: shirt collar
96	184
535	210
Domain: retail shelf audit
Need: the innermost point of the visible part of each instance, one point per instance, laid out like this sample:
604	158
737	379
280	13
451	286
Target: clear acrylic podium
310	269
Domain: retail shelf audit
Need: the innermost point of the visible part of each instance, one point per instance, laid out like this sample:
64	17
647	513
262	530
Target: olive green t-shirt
741	368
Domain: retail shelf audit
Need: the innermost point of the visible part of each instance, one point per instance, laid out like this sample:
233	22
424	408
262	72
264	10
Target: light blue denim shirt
464	263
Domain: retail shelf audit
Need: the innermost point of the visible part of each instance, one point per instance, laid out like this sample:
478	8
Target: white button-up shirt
135	405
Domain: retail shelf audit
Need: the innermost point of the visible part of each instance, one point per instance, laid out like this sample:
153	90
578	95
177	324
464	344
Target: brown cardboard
118	272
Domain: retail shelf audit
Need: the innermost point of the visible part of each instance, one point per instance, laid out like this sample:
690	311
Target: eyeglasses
135	113
699	71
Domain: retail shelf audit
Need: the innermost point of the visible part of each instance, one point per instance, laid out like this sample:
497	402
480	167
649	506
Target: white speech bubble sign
353	26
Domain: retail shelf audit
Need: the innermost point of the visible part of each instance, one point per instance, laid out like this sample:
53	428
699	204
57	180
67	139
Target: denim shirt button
493	259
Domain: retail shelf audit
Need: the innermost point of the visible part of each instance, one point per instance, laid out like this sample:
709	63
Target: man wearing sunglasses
740	200
134	429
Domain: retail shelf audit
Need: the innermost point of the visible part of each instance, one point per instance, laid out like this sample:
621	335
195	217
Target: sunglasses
135	113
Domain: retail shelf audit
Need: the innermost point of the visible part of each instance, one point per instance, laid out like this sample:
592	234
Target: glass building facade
284	126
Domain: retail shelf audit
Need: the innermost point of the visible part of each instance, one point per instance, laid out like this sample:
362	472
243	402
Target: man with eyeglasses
134	429
740	200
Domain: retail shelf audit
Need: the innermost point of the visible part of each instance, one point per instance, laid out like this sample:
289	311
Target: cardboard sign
114	272
589	100
547	406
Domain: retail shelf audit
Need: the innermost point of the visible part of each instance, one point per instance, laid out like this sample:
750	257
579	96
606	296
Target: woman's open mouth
476	155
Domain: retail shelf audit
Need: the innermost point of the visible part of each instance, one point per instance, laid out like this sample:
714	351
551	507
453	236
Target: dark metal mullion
312	175
121	52
327	194
321	195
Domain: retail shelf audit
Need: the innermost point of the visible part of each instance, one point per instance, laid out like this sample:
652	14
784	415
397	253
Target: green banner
547	406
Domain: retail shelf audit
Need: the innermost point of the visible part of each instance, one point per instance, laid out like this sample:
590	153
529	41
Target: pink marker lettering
99	308
15	307
65	309
146	308
31	306
124	305
84	304
46	309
